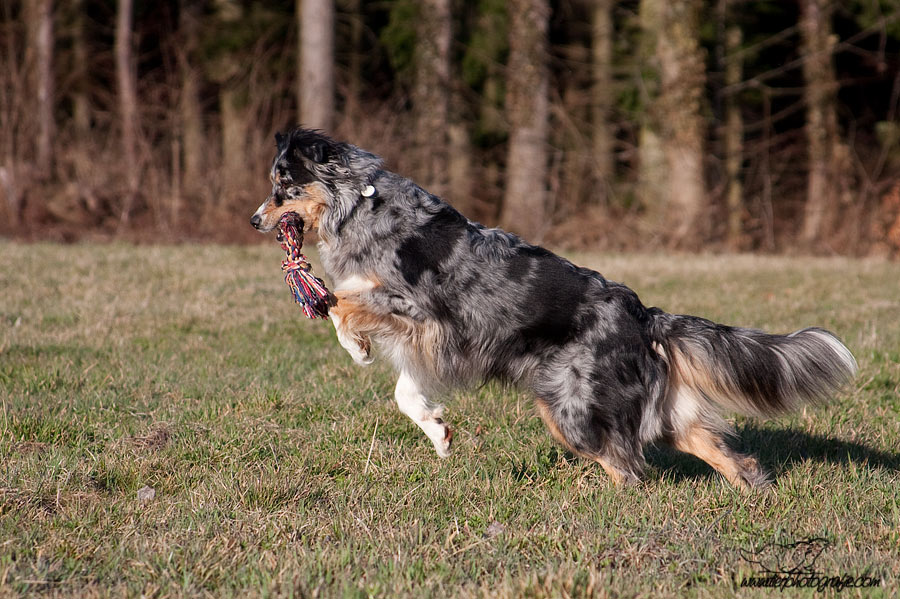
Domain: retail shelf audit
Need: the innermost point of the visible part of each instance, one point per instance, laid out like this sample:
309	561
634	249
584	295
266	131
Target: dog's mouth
288	219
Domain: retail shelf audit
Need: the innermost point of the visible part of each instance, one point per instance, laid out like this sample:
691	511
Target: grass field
282	469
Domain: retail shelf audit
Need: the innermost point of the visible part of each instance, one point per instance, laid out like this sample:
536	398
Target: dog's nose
255	220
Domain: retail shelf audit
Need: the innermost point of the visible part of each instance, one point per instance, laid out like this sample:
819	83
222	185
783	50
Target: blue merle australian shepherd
451	303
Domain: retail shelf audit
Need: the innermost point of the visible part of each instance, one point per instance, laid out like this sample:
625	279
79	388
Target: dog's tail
749	371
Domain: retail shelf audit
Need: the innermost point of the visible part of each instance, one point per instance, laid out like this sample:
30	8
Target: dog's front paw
359	348
361	353
361	357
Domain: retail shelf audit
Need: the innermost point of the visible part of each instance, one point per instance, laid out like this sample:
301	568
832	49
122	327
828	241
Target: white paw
362	358
441	436
360	350
359	355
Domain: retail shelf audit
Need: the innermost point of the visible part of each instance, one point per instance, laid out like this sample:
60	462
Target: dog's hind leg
427	415
709	445
577	430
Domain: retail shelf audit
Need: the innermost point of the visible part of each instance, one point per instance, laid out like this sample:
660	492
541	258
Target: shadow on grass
777	450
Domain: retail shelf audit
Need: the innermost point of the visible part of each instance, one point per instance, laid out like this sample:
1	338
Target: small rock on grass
493	530
146	494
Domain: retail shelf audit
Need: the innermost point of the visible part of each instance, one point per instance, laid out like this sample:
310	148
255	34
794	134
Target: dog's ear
280	140
317	150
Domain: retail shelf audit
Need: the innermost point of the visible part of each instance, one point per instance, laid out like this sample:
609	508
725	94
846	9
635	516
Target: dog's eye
279	197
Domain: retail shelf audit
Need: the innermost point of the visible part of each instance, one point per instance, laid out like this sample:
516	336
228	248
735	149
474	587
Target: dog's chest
355	284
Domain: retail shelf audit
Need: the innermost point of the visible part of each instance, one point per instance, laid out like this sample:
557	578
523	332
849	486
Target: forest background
764	125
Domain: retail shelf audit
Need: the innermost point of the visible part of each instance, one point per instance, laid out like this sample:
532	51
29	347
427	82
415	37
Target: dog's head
311	175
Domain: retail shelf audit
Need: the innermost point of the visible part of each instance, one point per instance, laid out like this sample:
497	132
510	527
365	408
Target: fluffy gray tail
750	371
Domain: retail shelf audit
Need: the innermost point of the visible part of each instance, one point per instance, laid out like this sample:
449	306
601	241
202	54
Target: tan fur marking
616	476
692	376
309	206
544	411
705	445
422	338
547	417
354	320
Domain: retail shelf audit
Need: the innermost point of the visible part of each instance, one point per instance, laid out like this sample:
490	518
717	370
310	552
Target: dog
452	303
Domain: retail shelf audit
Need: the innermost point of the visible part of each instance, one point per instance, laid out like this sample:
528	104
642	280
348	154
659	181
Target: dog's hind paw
444	444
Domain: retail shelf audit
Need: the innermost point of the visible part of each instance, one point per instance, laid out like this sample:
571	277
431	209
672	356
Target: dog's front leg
427	415
350	315
359	346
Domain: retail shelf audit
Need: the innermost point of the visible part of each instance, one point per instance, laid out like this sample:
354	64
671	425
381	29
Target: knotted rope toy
308	290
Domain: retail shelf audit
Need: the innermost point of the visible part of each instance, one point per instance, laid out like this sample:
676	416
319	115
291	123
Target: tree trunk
459	167
527	107
431	93
43	42
733	133
11	191
38	16
227	69
234	140
125	77
682	82
190	110
11	123
81	106
602	98
829	160
653	178
354	68
315	92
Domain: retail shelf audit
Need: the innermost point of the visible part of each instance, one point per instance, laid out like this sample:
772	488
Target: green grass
281	469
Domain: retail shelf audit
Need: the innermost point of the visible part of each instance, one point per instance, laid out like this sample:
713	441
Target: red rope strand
308	290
